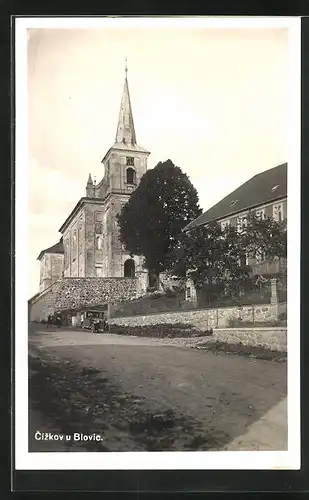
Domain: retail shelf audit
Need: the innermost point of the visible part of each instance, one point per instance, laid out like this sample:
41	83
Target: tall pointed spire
125	129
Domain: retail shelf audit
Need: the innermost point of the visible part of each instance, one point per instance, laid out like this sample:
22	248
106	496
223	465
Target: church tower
125	162
91	234
124	165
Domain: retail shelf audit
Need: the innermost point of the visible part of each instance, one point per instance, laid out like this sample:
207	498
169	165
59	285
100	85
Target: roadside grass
239	349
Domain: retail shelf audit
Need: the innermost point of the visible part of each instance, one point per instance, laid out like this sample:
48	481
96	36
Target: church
90	245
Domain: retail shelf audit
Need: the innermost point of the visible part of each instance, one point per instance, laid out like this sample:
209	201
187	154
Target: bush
164	330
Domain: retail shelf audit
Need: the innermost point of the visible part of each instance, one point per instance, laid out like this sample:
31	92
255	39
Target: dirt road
143	394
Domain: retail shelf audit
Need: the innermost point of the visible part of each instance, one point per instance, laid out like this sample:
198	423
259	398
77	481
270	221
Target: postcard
157	243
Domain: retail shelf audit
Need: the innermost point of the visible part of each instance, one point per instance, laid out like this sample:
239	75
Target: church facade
90	246
90	233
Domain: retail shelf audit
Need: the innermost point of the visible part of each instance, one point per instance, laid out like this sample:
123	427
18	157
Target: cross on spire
126	66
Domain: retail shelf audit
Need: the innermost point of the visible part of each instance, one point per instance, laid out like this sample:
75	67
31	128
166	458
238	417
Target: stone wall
272	338
202	319
41	305
76	293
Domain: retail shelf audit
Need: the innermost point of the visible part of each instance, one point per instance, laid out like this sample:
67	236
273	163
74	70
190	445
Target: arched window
130	176
99	242
129	268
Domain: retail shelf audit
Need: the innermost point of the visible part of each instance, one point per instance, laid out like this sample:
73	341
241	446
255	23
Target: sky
214	101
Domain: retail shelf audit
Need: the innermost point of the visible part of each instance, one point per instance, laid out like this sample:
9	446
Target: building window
244	260
99	243
98	272
80	238
66	253
278	212
130	161
225	223
188	292
241	223
129	268
260	214
98	227
98	216
130	176
74	246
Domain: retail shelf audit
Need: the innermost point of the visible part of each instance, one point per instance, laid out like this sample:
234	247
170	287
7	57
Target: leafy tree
150	223
264	237
212	256
209	255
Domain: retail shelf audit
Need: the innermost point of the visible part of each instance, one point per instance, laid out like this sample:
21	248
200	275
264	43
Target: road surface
144	394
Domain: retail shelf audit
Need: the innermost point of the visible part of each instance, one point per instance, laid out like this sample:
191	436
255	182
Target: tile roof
57	248
262	188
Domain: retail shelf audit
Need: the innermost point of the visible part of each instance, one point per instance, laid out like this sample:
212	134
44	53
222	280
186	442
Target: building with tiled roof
57	248
265	194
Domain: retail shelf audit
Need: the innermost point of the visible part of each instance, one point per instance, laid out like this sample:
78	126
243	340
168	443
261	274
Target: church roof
125	128
57	248
263	188
125	136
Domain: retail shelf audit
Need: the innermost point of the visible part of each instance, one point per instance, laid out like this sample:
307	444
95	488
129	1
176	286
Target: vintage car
94	320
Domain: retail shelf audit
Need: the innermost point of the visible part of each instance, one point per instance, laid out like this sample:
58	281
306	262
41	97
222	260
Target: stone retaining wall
203	319
76	293
272	338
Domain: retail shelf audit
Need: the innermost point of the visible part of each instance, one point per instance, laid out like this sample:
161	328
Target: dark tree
162	205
